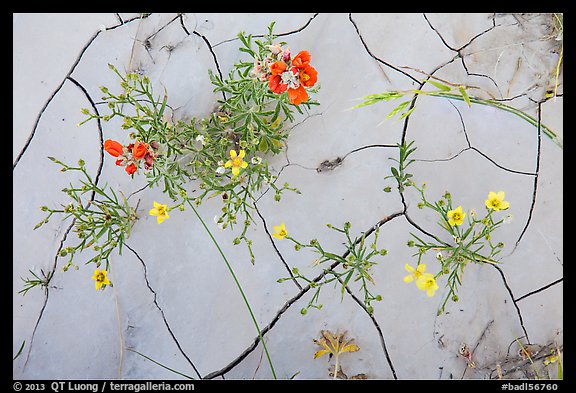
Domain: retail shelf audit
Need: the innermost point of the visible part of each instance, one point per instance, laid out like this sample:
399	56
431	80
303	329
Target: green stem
237	284
504	107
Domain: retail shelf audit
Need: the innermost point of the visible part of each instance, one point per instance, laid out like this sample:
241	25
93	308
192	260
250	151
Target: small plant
470	238
452	91
226	153
101	220
356	264
400	174
335	345
30	283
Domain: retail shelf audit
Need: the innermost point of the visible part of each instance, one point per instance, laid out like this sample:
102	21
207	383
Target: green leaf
20	350
464	95
439	85
407	113
263	145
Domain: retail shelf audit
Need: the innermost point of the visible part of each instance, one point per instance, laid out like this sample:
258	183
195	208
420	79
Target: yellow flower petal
280	231
244	164
233	154
350	348
228	164
409	268
242	154
409	278
421	268
235	170
321	352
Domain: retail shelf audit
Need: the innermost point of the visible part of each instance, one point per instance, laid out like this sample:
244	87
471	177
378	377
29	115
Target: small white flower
473	213
256	160
275	49
508	219
200	138
220	170
439	256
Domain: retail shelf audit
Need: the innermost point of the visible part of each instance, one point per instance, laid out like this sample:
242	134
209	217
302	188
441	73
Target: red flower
278	68
308	76
139	150
301	59
131	168
275	84
297	96
148	161
113	148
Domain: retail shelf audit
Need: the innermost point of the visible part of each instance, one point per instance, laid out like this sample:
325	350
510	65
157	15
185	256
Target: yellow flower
101	278
426	282
456	216
414	273
280	231
236	161
496	201
159	211
335	344
550	359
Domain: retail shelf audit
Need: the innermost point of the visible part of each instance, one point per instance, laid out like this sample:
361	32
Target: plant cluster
355	264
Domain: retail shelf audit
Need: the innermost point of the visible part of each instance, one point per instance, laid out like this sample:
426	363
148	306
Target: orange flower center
304	77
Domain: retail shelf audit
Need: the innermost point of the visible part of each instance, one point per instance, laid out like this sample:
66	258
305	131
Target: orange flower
301	59
113	148
131	168
297	96
275	84
278	68
139	150
308	76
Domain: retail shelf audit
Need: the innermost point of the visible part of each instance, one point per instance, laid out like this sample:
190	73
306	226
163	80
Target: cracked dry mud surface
174	301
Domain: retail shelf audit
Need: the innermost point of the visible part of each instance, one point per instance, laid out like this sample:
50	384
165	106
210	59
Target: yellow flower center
100	277
304	77
457	216
282	233
237	161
